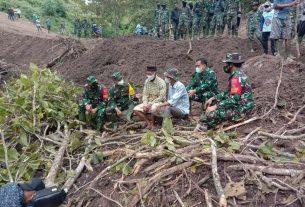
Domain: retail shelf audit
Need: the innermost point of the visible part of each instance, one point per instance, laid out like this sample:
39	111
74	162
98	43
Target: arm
145	98
191	85
176	96
111	99
231	100
262	23
282	6
207	84
162	93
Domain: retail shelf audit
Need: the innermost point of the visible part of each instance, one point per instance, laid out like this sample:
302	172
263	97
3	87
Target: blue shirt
178	97
11	196
281	13
266	21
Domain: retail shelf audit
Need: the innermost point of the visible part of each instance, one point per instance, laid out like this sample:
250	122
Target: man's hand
118	112
210	109
93	110
147	108
209	102
159	108
192	92
88	107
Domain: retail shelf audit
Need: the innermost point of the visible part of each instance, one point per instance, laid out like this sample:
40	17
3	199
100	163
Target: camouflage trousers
202	98
216	26
252	33
183	26
206	23
197	24
164	30
96	121
175	30
220	115
231	20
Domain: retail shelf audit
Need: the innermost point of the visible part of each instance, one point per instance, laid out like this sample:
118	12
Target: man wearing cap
184	17
154	92
234	103
253	24
19	195
118	100
204	84
177	104
281	26
92	106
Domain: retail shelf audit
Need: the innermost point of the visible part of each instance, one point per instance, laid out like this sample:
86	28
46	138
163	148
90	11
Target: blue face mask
166	80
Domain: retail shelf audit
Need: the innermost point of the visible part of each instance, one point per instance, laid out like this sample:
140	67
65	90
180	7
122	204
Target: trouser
49	28
177	113
216	25
220	115
265	40
301	31
183	27
175	29
197	24
254	31
231	20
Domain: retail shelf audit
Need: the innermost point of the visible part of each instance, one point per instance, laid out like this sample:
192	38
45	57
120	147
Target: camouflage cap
233	58
172	73
116	76
92	80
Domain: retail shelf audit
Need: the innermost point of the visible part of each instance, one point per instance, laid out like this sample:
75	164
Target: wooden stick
276	136
116	202
267	169
208	200
178	198
6	157
68	184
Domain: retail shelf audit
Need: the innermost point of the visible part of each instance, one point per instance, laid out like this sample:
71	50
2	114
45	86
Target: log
68	184
276	136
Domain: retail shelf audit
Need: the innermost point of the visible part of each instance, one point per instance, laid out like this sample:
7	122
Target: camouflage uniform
253	26
234	103
158	19
175	22
93	97
183	21
217	20
164	22
231	12
198	18
205	84
86	27
208	13
191	19
119	98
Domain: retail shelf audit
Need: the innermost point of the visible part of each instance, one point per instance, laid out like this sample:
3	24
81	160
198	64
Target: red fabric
235	86
104	94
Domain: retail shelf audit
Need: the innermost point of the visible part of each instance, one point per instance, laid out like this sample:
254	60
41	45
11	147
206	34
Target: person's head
117	78
255	5
267	6
158	5
184	3
92	81
233	61
163	6
191	5
30	188
151	72
201	65
171	76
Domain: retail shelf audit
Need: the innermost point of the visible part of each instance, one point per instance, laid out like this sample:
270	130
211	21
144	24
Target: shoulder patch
235	86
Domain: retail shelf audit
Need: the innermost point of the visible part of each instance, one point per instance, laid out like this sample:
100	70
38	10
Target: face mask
150	77
226	69
198	70
166	80
121	82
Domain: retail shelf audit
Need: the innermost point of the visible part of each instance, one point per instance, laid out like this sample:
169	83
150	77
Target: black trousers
265	39
301	29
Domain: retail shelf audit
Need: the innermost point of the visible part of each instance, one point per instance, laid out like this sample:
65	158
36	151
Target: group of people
204	17
13	14
49	24
276	22
85	28
169	97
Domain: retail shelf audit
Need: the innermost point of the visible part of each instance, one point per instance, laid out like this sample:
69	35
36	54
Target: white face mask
166	80
121	82
150	77
198	70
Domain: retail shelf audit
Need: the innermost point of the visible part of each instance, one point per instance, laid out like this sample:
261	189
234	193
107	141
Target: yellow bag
131	90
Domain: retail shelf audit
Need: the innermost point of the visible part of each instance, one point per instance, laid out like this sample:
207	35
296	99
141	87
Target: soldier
253	25
86	27
231	13
154	93
234	103
301	24
216	27
198	17
119	103
92	106
164	21
175	21
183	20
191	18
207	16
204	84
158	19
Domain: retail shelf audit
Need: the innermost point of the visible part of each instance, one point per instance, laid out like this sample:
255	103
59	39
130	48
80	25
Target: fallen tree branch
6	157
276	136
267	169
68	184
178	198
208	200
116	202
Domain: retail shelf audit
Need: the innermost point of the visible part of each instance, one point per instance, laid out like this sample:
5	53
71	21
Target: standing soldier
208	13
191	18
49	25
198	17
75	26
217	20
62	27
175	21
164	21
86	28
183	20
232	8
253	25
233	104
92	106
158	19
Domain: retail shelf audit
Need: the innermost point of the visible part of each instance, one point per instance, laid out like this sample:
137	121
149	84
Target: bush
55	8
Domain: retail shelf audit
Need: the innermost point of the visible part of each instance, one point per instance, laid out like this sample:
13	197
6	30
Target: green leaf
149	138
167	125
234	146
127	170
22	139
75	143
13	155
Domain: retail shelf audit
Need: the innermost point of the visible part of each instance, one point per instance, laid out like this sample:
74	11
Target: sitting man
119	102
177	104
233	104
203	85
154	92
15	194
92	107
